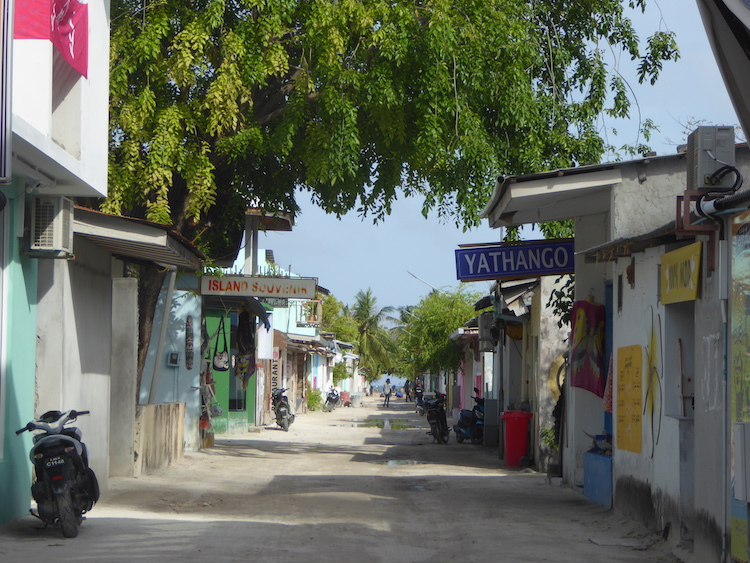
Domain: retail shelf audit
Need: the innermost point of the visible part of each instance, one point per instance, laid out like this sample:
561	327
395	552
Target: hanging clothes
245	365
587	347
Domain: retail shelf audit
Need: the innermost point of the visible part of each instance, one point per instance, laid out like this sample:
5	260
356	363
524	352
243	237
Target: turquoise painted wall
19	372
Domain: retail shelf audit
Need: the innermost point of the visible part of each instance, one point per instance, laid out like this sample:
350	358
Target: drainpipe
162	335
725	433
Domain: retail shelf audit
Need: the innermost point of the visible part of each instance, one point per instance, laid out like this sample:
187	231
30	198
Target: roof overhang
551	196
137	239
727	25
270	220
625	247
235	302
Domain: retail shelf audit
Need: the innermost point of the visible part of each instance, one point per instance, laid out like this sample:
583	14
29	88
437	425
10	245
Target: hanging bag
221	359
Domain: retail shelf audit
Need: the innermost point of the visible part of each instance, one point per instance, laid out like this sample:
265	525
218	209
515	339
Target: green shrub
315	400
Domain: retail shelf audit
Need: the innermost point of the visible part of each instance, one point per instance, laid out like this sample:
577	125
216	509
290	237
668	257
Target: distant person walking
407	391
387	389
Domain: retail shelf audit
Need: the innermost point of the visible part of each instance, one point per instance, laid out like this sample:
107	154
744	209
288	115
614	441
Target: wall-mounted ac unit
708	149
52	225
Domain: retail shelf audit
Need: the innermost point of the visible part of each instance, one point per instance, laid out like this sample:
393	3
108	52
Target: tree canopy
216	104
424	343
376	347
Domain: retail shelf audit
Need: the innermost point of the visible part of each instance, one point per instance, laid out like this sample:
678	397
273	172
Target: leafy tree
376	347
424	344
340	373
336	319
217	104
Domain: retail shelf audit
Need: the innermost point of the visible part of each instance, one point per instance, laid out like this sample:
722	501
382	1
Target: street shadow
341	518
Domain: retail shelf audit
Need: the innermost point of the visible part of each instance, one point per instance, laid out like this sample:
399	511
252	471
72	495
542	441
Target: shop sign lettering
253	286
680	274
515	260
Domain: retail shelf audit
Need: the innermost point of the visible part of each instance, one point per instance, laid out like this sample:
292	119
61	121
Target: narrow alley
357	484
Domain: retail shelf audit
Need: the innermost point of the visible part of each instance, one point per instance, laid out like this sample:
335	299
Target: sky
403	258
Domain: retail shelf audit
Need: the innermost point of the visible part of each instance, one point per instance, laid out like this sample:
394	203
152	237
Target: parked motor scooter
281	409
419	400
332	400
435	410
471	422
65	487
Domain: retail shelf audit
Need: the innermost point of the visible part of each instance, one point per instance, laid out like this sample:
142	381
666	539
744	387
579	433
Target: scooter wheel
66	515
459	438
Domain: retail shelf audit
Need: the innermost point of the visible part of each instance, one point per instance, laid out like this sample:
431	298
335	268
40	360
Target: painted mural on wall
740	353
741	317
587	347
629	433
654	401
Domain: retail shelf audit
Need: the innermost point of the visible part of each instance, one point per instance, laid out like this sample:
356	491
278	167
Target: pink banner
70	32
64	22
31	19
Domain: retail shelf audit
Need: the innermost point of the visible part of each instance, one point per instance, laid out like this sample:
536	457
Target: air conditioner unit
52	225
708	149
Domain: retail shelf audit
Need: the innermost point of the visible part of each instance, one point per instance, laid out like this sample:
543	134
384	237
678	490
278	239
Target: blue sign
515	260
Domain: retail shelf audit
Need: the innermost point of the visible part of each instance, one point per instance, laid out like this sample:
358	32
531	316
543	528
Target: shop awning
514	295
551	196
137	239
234	302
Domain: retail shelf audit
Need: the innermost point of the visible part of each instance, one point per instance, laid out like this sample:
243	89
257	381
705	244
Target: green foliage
376	348
336	320
561	300
314	399
424	343
340	373
216	105
549	438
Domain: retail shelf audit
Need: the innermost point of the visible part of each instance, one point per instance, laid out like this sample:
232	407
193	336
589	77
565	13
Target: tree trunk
149	286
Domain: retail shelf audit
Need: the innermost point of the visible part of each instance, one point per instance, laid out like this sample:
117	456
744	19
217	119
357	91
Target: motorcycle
435	410
471	422
281	409
419	400
332	400
65	487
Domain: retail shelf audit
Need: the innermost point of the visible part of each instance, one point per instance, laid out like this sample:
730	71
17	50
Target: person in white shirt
387	392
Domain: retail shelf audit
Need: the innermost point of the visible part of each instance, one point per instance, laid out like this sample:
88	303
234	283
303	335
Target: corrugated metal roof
137	239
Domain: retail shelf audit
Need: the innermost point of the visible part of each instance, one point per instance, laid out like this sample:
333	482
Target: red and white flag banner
64	22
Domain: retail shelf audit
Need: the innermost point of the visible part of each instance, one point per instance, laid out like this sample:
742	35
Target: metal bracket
685	226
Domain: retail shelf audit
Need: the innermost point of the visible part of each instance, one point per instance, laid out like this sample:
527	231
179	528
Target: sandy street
332	489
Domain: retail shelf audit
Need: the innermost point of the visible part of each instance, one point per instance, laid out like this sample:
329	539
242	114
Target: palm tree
376	347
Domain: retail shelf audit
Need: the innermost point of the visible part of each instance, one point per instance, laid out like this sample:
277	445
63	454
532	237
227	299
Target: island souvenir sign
259	286
514	260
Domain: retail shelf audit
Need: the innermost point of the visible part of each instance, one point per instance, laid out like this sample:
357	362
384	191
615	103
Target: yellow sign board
680	274
629	398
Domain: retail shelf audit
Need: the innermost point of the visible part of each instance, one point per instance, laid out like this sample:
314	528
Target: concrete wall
656	484
159	436
64	115
17	350
645	199
711	441
583	410
74	336
124	367
552	344
177	384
